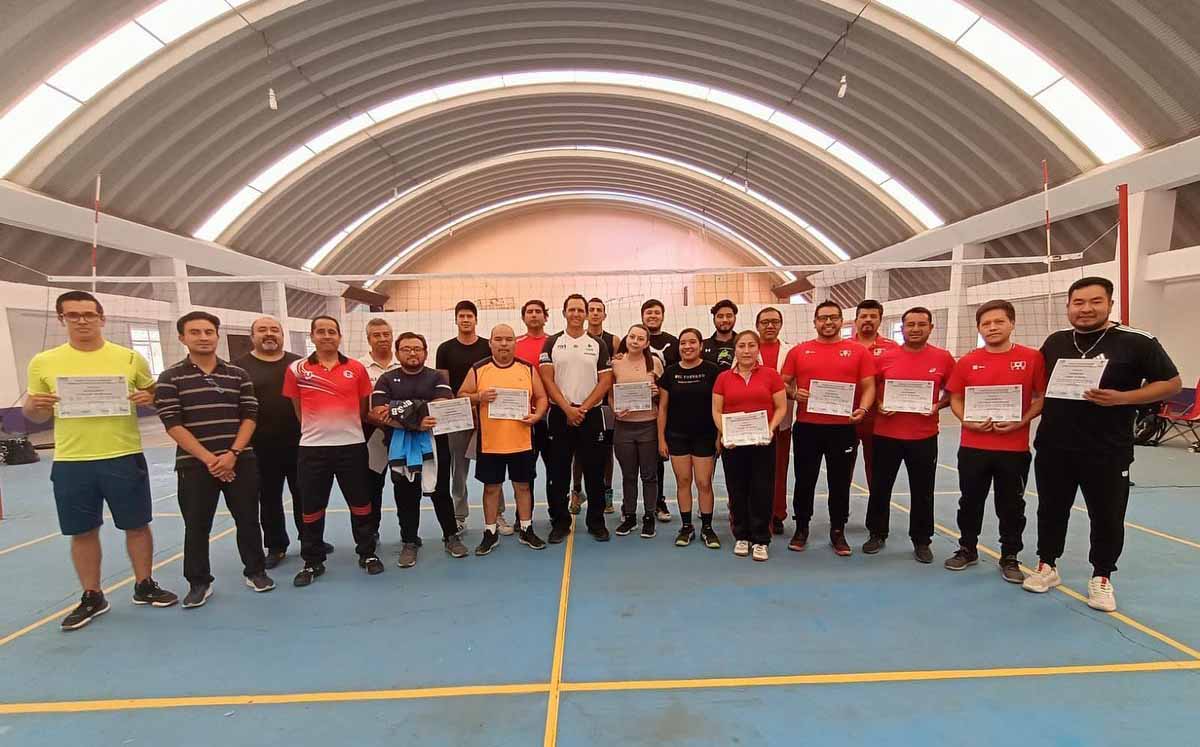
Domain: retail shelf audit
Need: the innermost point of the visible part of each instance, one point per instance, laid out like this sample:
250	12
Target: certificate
908	395
633	397
1000	404
509	404
92	396
830	398
1074	376
453	415
745	428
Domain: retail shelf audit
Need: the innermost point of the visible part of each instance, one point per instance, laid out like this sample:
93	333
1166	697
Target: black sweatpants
750	480
276	464
920	461
198	495
408	499
838	445
582	442
1006	474
317	467
1103	478
375	483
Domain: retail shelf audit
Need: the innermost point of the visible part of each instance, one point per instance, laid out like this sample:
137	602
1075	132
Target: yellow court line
14	548
560	635
125	582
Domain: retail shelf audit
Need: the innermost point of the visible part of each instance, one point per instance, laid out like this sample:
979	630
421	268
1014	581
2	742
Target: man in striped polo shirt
209	409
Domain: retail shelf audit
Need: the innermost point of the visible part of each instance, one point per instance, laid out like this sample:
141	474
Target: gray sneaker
408	555
455	547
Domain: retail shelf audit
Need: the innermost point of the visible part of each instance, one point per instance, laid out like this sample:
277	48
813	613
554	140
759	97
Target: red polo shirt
842	361
529	349
1020	365
329	400
927	364
769	352
749	396
879	347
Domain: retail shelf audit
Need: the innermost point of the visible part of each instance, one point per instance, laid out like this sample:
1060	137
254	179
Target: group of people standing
247	427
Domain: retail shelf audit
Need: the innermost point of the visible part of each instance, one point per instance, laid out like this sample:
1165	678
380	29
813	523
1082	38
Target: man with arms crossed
868	317
1086	444
97	459
773	352
379	360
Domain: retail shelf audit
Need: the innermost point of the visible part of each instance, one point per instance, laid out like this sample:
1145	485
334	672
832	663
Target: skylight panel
859	162
539	78
323	252
802	130
912	204
1009	57
175	18
462	88
945	17
740	103
105	61
609	78
828	243
340	132
227	214
670	85
31	120
1091	124
401	105
281	168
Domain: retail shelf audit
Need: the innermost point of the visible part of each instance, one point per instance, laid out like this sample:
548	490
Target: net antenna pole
1049	260
1123	248
95	230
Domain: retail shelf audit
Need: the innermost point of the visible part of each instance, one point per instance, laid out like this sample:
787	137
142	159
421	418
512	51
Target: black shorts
689	444
491	468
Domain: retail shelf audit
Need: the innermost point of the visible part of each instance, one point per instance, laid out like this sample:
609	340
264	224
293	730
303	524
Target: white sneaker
741	548
502	526
760	553
1100	594
1044	578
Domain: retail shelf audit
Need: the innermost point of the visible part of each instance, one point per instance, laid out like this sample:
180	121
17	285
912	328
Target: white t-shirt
377	457
578	363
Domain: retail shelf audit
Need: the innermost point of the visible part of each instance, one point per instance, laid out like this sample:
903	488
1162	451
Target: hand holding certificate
453	415
1074	376
908	395
745	429
92	396
999	404
635	397
830	398
509	404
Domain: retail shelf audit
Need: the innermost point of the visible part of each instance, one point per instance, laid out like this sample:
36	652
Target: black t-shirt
717	351
689	398
1134	359
456	358
277	424
665	346
396	385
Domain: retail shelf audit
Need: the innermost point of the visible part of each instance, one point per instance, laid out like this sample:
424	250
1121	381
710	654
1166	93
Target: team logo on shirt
810	352
1016	365
878	352
348	374
308	374
845	353
980	366
933	370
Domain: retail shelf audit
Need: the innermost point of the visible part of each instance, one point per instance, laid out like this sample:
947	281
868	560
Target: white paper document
453	415
1074	376
908	395
830	398
1000	403
745	428
633	397
509	404
92	396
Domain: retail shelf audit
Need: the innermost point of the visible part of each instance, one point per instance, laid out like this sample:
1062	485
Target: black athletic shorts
689	444
491	468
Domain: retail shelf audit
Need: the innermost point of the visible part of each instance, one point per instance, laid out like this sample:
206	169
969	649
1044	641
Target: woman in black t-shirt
687	434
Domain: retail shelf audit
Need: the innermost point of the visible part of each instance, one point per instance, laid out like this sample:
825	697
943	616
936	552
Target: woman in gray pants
635	437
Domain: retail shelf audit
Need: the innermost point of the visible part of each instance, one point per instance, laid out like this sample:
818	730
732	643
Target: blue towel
409	449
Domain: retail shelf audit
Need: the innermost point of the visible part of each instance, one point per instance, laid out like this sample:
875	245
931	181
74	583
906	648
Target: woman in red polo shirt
749	469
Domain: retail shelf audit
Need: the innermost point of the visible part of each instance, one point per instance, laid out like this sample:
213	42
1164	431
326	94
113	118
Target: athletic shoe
149	592
777	526
661	511
1010	569
308	574
576	502
274	558
962	559
799	539
1044	578
922	553
530	539
760	553
608	501
684	538
260	582
627	525
711	540
460	526
837	538
91	605
455	547
197	595
648	526
874	544
558	533
488	543
503	527
600	533
408	555
371	564
741	548
1100	594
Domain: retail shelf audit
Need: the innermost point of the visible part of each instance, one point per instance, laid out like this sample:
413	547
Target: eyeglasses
410	350
829	318
75	316
771	322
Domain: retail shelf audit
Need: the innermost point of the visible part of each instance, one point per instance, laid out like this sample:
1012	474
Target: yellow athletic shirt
503	436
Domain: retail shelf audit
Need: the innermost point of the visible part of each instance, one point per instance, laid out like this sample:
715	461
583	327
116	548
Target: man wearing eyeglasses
97	458
772	352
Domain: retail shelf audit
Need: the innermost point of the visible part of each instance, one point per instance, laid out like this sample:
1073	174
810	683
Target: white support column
335	306
274	303
820	293
878	285
1151	220
960	325
178	295
10	376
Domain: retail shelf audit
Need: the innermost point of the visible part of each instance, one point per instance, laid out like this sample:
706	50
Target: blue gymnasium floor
659	645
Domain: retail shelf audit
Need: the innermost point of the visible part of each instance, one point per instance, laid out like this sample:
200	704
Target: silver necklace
1084	353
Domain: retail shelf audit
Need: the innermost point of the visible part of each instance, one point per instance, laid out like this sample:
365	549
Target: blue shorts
82	488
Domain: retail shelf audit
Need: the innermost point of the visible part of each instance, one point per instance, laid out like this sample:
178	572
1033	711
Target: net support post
961	335
1151	221
178	295
274	303
878	285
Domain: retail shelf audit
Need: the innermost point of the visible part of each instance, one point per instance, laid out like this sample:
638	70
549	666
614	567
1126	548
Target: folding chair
1183	423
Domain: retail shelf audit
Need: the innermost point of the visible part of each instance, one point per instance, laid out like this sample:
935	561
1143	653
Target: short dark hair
411	336
1104	283
193	316
827	305
650	303
996	305
600	301
76	296
569	298
917	310
312	327
692	330
868	303
765	310
724	303
533	302
466	306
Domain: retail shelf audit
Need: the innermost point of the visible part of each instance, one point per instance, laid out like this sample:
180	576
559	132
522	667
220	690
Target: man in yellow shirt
97	455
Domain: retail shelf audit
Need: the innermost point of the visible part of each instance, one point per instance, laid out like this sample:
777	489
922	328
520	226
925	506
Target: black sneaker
777	526
837	538
600	533
1010	569
962	559
530	539
149	592
328	549
489	541
371	564
661	511
260	582
648	526
922	553
308	574
874	544
627	525
711	540
274	558
686	533
558	533
197	596
799	540
91	605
